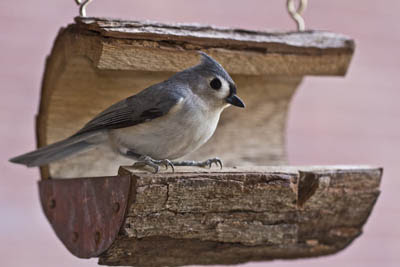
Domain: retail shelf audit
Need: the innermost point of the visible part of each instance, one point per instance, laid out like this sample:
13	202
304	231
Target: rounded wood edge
86	213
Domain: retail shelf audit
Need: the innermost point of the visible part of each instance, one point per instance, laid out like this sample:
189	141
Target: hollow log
96	62
237	215
196	216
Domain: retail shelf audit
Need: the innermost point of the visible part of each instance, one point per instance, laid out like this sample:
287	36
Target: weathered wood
194	216
244	214
306	41
86	213
148	46
97	62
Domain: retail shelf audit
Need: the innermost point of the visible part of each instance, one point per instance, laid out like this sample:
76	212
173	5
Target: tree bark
238	215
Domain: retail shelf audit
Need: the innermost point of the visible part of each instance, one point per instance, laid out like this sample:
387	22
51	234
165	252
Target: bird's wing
151	103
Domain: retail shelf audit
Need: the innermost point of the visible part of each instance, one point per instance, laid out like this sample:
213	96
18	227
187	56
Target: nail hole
75	236
97	237
116	207
52	203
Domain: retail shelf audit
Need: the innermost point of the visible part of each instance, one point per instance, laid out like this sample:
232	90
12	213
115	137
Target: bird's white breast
186	127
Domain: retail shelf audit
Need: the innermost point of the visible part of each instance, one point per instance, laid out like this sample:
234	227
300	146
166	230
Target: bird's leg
205	163
148	161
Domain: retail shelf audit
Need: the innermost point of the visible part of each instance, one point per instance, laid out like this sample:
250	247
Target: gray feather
211	67
53	152
151	103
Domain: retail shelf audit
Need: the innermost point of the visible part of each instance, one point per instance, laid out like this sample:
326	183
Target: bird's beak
235	100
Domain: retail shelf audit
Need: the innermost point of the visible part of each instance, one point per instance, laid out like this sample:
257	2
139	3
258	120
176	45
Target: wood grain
308	42
244	214
133	45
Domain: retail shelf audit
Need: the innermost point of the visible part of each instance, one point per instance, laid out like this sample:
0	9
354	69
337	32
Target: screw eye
215	84
116	207
52	203
75	236
97	237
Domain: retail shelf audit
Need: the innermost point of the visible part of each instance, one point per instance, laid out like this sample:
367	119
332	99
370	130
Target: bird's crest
211	64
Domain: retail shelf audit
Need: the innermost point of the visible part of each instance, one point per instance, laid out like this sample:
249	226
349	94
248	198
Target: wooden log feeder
196	216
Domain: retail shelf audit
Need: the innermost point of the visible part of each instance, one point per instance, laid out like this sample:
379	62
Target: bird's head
213	84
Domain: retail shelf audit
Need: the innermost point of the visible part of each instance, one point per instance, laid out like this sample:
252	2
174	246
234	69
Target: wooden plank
236	215
307	42
133	45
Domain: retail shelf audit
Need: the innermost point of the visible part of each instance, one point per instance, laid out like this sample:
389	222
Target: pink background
352	120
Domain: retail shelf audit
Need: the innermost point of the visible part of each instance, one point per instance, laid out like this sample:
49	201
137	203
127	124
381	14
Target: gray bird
163	122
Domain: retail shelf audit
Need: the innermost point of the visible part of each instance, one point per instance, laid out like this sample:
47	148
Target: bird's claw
155	164
209	162
167	163
156	168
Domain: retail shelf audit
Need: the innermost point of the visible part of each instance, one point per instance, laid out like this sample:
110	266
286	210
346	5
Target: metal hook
296	13
82	6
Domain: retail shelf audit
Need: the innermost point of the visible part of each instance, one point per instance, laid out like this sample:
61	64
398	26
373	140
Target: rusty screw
52	203
97	237
75	236
116	207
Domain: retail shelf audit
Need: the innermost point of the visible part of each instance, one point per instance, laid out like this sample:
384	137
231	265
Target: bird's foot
205	163
153	163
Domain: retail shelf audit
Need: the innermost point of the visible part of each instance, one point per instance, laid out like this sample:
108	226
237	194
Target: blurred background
351	120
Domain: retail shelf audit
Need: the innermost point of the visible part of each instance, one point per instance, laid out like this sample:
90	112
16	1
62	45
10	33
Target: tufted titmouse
163	122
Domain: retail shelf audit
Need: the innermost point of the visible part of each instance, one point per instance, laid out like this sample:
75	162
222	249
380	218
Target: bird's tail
56	151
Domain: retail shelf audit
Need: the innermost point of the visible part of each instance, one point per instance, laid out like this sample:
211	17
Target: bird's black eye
215	84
